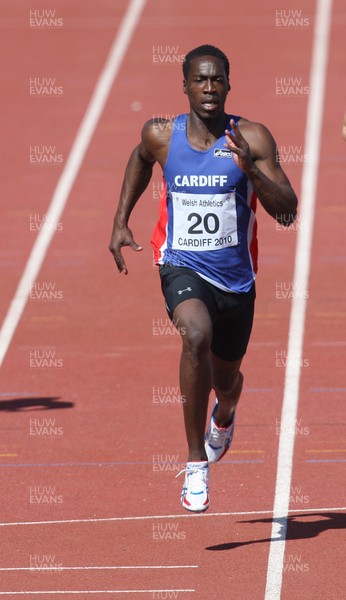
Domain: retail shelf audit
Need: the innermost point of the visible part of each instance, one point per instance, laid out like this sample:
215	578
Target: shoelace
198	476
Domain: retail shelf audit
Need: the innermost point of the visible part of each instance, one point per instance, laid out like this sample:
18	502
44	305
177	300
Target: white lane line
69	174
180	516
59	568
96	592
298	310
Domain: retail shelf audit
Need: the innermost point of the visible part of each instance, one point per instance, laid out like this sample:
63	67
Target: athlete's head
205	50
206	81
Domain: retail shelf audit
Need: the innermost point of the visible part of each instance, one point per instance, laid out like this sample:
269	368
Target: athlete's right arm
137	176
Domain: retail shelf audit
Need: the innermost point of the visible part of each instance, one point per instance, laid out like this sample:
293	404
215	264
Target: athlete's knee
196	340
195	326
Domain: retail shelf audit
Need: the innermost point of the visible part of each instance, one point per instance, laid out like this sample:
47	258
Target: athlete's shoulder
156	133
253	127
159	127
258	137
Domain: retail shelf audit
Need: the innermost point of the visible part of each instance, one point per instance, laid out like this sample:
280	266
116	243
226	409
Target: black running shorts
231	313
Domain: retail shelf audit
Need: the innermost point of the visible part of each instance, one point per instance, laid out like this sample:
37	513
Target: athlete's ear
184	86
229	86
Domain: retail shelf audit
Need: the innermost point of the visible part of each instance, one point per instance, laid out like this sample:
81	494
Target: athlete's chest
213	171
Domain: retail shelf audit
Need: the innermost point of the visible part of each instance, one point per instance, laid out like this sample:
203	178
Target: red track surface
117	438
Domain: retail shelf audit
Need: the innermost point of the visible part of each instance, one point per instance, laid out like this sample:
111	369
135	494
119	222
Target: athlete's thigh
232	329
193	321
180	285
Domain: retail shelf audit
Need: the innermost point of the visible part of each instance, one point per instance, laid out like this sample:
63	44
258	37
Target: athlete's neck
203	133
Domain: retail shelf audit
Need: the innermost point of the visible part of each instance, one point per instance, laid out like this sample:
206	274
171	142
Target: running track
93	438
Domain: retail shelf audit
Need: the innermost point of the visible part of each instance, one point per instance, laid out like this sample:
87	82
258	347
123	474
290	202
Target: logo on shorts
188	289
222	153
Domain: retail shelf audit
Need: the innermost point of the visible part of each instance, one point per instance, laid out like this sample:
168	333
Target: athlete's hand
122	236
240	148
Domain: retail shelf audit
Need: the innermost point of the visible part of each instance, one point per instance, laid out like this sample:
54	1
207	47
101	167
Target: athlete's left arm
255	152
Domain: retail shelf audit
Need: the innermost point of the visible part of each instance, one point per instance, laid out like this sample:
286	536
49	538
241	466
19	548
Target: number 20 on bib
204	222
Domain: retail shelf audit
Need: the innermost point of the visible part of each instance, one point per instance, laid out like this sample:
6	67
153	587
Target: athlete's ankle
224	418
197	455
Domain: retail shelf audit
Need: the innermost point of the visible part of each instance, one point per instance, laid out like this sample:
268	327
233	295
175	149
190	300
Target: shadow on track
35	403
296	530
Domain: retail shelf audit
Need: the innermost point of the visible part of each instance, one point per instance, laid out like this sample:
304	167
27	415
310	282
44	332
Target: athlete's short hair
205	50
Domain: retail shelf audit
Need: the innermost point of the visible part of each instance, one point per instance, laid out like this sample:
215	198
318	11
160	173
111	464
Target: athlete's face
207	86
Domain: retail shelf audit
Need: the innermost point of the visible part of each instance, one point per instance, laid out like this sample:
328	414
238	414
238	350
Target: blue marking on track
321	389
318	460
111	464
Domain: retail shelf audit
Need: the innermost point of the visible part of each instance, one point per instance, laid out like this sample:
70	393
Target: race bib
203	222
